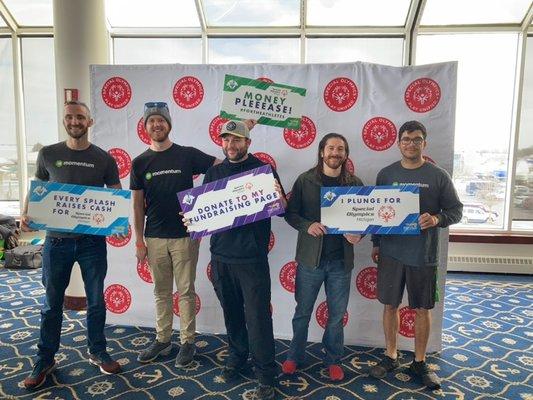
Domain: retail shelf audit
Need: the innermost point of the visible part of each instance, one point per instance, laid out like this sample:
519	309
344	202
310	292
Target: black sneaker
386	365
185	355
154	350
264	392
429	378
41	370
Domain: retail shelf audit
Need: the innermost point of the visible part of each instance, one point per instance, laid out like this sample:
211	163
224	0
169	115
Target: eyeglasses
155	104
417	141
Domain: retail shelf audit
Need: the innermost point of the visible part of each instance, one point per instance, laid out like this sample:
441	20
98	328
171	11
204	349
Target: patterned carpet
488	336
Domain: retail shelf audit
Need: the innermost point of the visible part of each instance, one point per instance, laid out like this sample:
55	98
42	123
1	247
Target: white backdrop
365	102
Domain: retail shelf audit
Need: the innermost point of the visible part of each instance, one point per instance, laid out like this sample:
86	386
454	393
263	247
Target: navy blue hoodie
246	244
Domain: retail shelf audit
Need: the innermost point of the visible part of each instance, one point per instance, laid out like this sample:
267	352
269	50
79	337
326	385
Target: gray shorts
421	283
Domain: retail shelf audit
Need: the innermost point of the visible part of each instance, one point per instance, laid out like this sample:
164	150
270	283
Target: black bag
30	256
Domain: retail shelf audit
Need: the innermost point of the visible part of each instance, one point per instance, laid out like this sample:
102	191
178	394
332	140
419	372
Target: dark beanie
157	110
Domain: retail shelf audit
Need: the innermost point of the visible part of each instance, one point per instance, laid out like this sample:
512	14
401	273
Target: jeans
59	255
244	294
337	285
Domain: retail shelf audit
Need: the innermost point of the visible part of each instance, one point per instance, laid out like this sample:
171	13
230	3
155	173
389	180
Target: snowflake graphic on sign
40	190
329	195
232	84
188	199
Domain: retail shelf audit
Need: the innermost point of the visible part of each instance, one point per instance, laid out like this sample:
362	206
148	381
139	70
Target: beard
334	162
412	155
159	136
76	131
239	155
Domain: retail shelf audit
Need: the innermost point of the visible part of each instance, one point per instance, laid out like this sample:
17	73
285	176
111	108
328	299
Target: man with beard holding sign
241	274
157	175
321	258
79	162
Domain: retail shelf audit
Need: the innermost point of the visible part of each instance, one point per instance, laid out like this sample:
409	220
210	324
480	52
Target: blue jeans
59	255
337	285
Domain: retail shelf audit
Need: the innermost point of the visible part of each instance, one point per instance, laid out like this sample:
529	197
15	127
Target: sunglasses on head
155	104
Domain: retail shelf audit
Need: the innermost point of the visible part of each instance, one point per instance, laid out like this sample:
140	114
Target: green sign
269	103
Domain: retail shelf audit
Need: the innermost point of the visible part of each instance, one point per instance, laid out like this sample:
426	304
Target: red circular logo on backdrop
322	315
143	270
266	158
271	241
367	282
265	79
116	92
303	137
422	95
407	322
141	132
349	166
114	241
123	160
340	94
429	159
379	133
117	298
287	276
176	305
188	92
215	126
209	272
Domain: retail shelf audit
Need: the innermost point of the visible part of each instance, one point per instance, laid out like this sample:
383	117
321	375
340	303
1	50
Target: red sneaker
106	364
336	373
288	367
37	377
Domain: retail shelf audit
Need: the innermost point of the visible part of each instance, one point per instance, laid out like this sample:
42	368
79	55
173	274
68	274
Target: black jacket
304	209
244	244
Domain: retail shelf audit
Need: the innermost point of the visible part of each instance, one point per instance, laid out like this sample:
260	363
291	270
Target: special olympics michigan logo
117	298
116	92
188	92
340	94
422	95
303	137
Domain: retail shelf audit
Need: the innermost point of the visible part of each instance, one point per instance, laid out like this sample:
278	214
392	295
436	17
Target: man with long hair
321	257
411	260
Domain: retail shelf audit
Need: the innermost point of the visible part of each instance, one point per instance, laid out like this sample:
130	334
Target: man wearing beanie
157	175
241	276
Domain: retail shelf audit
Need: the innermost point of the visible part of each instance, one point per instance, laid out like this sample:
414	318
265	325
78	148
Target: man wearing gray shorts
412	260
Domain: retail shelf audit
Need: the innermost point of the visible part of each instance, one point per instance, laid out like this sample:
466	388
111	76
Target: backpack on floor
30	256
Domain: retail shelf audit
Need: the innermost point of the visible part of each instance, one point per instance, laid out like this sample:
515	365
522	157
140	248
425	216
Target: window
252	12
522	196
155	13
38	69
31	12
357	12
485	90
458	12
9	169
157	50
254	50
377	50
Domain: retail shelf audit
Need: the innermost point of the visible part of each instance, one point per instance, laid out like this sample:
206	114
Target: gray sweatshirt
437	197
